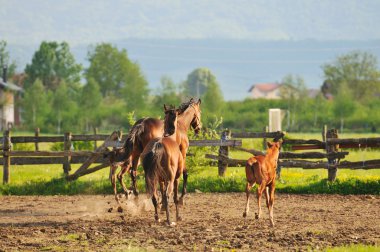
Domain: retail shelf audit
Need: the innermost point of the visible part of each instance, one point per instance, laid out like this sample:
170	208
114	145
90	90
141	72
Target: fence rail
330	144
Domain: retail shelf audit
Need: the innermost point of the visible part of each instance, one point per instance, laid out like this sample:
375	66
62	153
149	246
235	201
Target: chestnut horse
163	165
145	129
189	115
262	171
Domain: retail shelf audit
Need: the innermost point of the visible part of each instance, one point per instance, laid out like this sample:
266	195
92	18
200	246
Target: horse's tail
133	138
249	168
152	166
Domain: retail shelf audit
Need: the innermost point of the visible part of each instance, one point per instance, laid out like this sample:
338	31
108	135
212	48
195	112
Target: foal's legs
248	188
176	201
260	191
271	202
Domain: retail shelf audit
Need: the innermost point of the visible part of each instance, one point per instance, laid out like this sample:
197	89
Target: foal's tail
152	166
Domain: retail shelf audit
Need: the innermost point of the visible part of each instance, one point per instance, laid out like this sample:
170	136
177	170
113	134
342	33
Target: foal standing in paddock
163	165
262	171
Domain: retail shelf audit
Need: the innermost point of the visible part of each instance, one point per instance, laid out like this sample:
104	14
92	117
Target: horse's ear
199	101
165	107
269	144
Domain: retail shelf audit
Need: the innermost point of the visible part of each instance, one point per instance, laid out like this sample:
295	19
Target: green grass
48	179
355	248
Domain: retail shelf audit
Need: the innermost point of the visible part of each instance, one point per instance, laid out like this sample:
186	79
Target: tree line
61	95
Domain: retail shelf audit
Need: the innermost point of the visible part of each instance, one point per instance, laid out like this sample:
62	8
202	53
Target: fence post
67	147
266	129
95	133
7	145
332	171
223	154
36	134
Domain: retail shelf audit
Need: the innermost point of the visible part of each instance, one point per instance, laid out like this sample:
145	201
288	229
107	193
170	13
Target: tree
344	104
294	92
358	70
89	103
52	64
5	59
63	106
212	99
198	81
167	94
36	105
117	75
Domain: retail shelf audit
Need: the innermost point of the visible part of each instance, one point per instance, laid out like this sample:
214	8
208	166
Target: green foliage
5	59
52	64
359	70
118	76
89	105
36	105
198	81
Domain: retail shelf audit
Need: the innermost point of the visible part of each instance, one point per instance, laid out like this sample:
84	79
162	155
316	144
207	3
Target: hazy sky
89	21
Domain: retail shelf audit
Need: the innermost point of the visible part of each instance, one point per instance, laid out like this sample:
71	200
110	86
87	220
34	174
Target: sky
25	23
88	21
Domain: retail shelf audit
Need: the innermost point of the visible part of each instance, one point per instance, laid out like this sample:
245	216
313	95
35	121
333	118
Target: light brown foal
262	171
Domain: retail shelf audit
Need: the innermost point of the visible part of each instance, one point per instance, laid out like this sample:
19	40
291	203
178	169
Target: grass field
47	179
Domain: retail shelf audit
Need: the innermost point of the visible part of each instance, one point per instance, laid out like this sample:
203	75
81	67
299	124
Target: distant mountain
237	64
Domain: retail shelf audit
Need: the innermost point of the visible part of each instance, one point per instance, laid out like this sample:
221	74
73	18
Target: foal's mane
182	108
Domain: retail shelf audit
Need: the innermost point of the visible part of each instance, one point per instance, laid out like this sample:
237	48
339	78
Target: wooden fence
330	144
70	156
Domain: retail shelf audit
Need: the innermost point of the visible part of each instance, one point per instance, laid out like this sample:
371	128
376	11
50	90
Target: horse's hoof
245	214
110	210
257	216
172	224
179	218
136	193
120	209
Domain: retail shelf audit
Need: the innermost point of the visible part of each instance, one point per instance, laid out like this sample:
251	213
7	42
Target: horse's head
170	121
274	148
196	123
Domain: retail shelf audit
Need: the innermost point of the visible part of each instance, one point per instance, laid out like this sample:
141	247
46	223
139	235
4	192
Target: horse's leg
155	204
165	201
135	162
113	181
248	188
260	191
162	189
271	202
185	175
176	201
124	169
267	196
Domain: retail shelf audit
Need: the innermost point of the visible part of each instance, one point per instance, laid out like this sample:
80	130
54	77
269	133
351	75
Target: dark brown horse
128	156
163	165
146	129
262	171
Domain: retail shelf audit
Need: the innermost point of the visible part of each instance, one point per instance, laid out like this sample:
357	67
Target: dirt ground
210	222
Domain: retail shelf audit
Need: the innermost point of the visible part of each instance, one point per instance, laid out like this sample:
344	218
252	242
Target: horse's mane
136	130
182	108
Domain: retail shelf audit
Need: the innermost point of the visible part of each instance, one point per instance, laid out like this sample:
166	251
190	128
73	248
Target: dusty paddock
210	221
